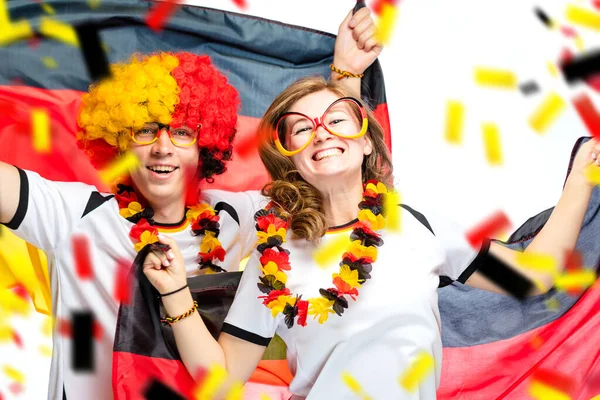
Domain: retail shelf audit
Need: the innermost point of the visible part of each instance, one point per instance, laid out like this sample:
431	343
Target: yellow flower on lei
376	222
195	211
362	251
380	188
263	237
133	208
320	307
279	304
272	269
349	276
209	242
146	238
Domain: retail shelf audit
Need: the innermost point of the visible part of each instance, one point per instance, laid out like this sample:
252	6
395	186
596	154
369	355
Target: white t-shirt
50	213
394	317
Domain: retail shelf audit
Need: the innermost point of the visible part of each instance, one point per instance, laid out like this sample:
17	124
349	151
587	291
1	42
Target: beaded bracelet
344	74
171	321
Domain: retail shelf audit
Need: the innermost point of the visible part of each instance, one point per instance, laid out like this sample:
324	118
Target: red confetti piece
159	15
377	6
493	225
192	185
596	3
242	4
21	291
15	388
34	42
83	261
555	380
573	261
122	282
17	339
65	328
587	112
568	31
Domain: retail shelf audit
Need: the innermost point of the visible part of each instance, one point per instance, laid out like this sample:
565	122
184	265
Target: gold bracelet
170	321
345	74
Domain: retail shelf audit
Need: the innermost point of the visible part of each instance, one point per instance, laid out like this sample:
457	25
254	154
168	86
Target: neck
171	212
341	203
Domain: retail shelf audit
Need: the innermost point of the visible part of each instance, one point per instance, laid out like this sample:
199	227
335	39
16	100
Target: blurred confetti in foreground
161	12
492	144
119	168
455	118
354	386
550	109
581	16
40	123
490	227
387	21
59	30
494	77
333	250
419	369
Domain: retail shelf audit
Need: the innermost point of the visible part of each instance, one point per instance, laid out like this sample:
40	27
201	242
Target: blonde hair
297	199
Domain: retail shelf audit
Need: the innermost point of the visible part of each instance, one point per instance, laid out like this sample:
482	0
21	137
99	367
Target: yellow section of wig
139	91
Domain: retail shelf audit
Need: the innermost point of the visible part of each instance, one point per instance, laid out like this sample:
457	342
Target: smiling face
327	159
164	167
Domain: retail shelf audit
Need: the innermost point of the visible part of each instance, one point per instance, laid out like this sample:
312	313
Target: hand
355	47
165	270
588	155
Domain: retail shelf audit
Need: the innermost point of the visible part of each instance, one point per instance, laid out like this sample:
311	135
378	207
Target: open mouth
328	153
162	169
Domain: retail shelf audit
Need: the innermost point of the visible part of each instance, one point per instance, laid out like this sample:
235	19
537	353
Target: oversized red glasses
345	117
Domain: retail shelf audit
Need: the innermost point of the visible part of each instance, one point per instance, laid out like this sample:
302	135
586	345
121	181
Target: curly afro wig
169	88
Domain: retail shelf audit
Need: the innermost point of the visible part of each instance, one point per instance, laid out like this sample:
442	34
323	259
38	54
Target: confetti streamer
420	368
207	388
392	211
14	374
17	339
59	30
91	48
580	67
354	386
537	262
159	391
81	253
324	255
550	109
122	282
40	123
587	112
580	16
491	141
82	344
49	62
528	88
120	167
542	16
387	20
455	117
488	228
579	280
161	13
498	78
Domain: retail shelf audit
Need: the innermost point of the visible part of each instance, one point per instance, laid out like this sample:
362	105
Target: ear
368	149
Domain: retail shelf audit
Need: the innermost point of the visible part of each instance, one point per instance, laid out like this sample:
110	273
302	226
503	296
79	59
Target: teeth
327	153
162	168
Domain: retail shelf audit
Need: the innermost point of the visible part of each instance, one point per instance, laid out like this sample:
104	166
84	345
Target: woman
330	169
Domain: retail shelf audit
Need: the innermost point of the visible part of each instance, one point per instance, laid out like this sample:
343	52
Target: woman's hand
588	156
165	270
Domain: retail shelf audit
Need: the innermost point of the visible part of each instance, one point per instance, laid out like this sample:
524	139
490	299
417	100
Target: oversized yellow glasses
150	132
345	118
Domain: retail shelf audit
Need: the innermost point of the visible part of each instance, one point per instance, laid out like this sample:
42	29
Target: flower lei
204	221
355	267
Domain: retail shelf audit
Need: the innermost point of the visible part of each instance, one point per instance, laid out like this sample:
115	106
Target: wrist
178	303
579	182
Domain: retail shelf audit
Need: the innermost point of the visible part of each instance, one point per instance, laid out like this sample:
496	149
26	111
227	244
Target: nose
163	145
322	134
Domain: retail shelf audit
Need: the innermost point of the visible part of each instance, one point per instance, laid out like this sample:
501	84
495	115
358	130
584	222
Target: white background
430	59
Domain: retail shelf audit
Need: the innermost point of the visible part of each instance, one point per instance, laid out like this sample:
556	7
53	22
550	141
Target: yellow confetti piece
264	396
6	333
94	4
354	386
392	211
580	16
10	302
12	32
217	375
48	9
59	30
387	20
537	262
119	167
236	392
417	371
14	374
537	342
455	116
491	141
552	69
575	280
48	326
325	254
50	62
499	78
552	304
592	174
40	123
547	112
540	391
45	351
579	43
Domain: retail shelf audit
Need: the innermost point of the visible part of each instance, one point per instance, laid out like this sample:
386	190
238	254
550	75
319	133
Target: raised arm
197	347
10	184
355	47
